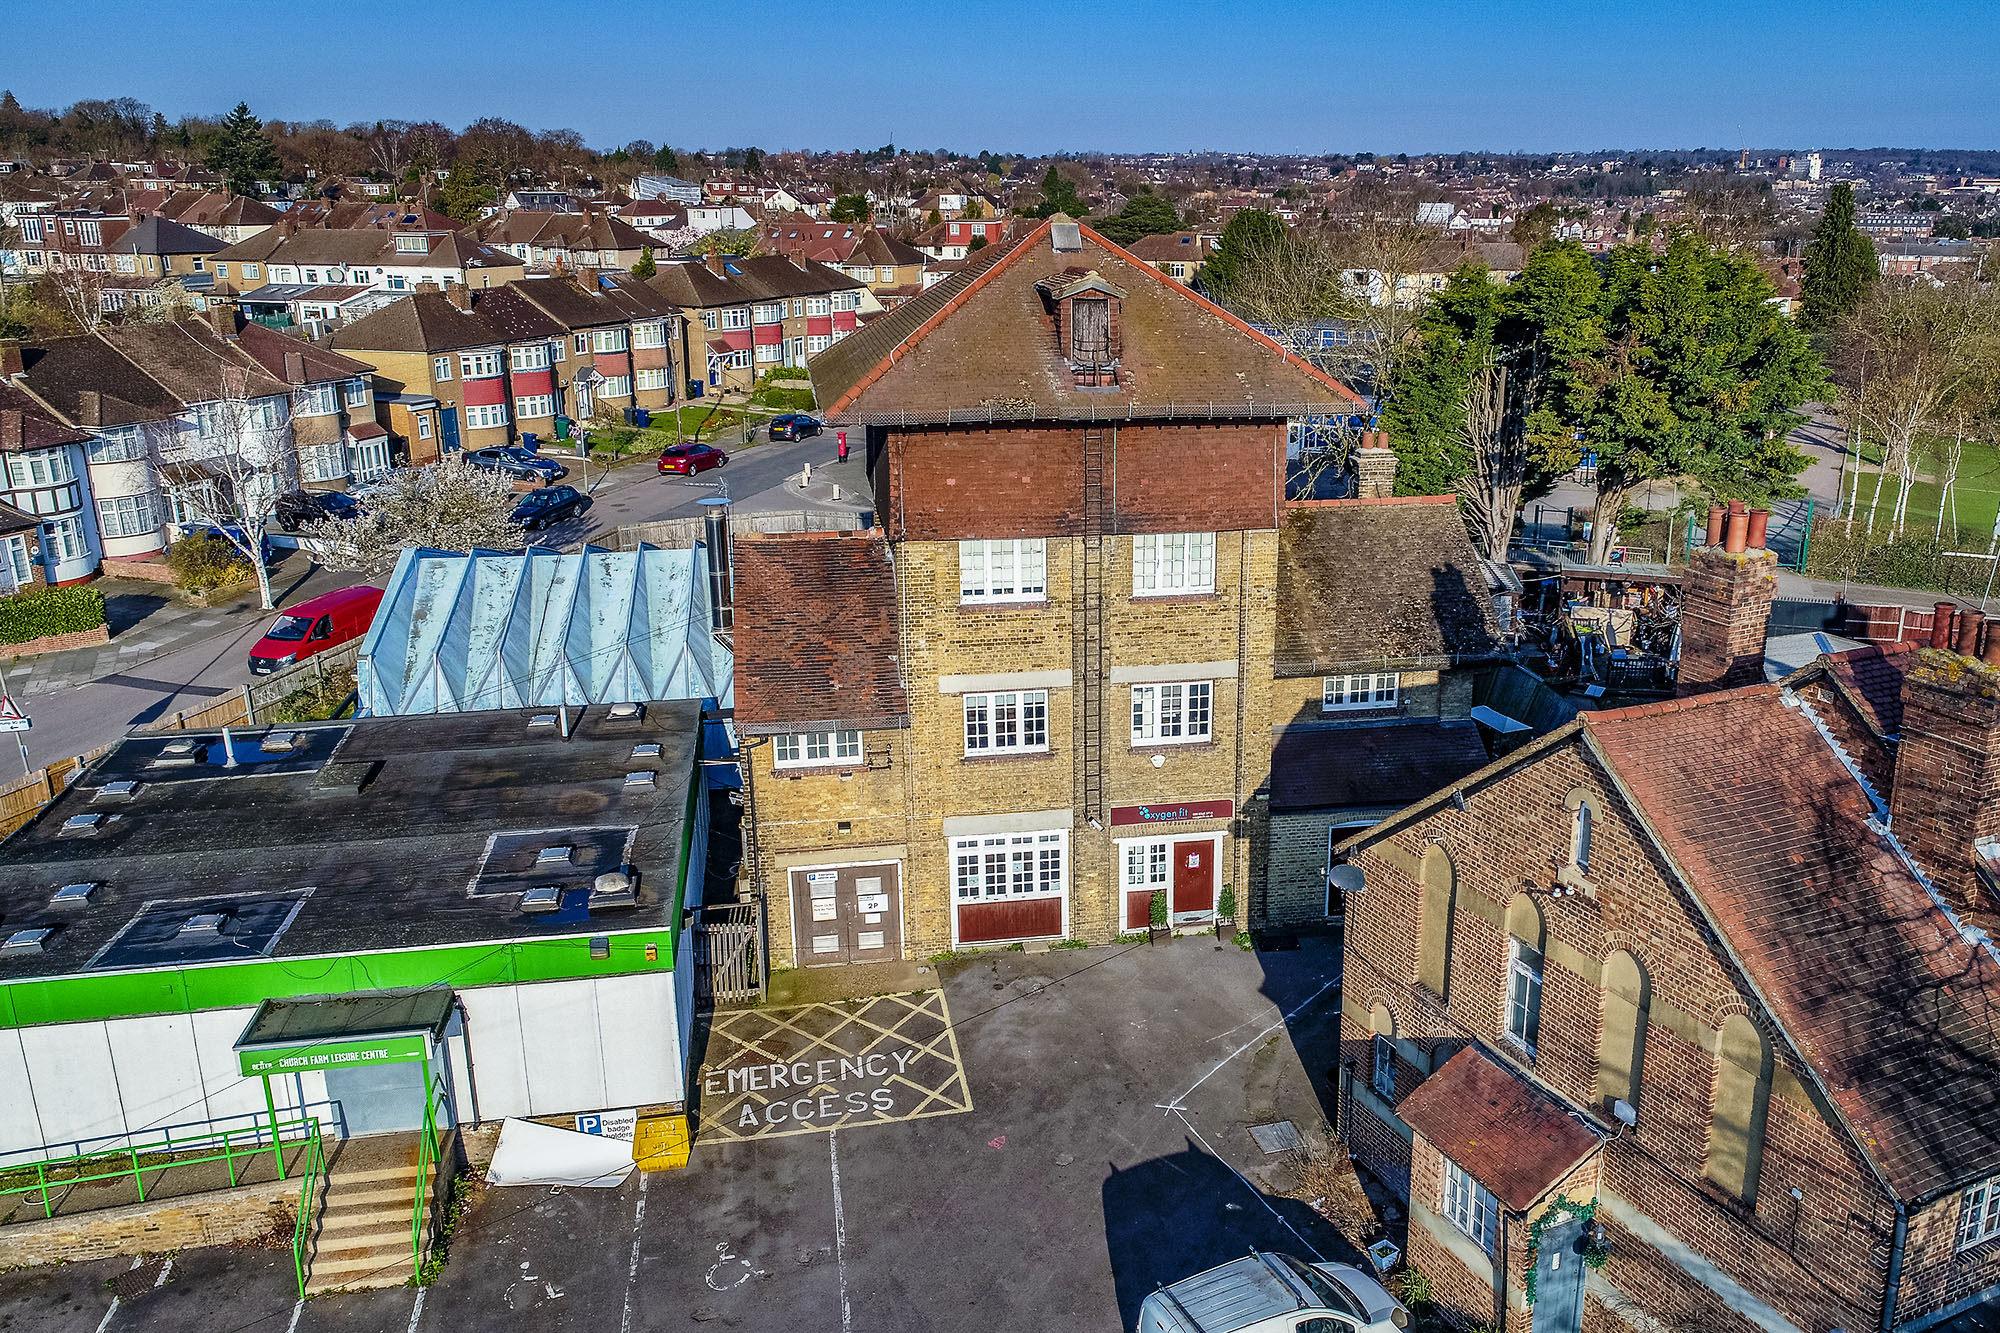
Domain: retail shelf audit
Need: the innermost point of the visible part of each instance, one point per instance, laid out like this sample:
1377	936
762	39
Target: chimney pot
1737	539
1941	615
1760	522
1966	628
1717	517
1989	646
1736	507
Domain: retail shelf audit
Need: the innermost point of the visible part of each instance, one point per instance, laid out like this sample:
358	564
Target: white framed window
1367	689
736	317
1008	570
14	552
90	232
1524	996
126	263
607	340
1173	714
423	425
64	536
534	406
1469	1205
1979	1214
534	356
740	359
479	365
652	333
818	305
1384	1080
485	416
655	378
123	444
360	393
1011	865
708	319
817	343
311	275
31	230
849	301
1016	722
316	400
323	462
264	413
615	386
126	516
769	313
805	749
371	457
770	352
1579	837
49	467
798	309
1147	863
440	368
1167	563
250	272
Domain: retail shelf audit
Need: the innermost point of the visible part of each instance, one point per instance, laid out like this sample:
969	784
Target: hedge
1917	559
41	612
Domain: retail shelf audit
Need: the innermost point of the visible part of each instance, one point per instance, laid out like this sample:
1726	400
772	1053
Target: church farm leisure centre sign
1172	812
322	1056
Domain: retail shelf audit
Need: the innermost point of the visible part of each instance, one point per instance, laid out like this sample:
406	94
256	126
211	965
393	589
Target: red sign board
1172	812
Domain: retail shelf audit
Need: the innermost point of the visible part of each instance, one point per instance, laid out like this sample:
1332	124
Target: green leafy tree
666	161
1533	226
753	161
933	218
1249	230
1145	214
1058	196
1840	263
852	208
643	266
242	153
466	191
974	209
1424	414
976	244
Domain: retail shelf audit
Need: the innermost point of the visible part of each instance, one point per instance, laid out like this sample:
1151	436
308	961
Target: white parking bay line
632	1273
106	1321
839	1230
417	1310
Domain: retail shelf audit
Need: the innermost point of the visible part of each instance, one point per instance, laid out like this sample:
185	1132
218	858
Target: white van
1274	1293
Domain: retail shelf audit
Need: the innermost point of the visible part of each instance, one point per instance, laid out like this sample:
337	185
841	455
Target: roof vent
27	941
642	778
281	742
550	856
614	888
204	923
542	720
181	754
542	898
647	751
626	712
1065	238
110	791
74	893
82	825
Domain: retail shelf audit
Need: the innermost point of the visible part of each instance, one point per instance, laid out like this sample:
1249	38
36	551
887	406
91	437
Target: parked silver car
1274	1293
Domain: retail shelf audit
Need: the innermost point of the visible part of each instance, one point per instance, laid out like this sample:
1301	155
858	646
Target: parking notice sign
611	1124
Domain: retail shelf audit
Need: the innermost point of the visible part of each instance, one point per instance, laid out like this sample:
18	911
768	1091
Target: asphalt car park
1063	1133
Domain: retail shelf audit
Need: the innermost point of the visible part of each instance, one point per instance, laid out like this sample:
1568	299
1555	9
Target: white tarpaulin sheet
532	1154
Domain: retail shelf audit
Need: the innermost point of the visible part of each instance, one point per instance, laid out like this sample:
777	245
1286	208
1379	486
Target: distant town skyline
1498	76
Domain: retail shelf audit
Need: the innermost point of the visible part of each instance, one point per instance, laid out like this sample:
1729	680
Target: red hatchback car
688	459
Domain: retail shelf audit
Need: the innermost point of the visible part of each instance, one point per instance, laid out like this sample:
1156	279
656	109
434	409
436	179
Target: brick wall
57	643
1516	830
222	1217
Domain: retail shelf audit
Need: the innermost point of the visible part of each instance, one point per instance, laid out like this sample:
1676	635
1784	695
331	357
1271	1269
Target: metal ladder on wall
1088	634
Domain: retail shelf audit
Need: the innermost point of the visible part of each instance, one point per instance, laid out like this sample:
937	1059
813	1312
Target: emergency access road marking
816	1067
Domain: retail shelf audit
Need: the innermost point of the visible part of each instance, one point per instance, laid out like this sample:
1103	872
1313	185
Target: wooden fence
728	947
22	799
680	533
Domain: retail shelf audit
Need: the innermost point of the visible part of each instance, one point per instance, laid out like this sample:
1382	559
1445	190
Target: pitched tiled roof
1504	1131
162	236
1892	1008
981	346
421	322
1380	582
1871	678
295	360
746	279
1181	247
816	632
26	424
142	372
1334	767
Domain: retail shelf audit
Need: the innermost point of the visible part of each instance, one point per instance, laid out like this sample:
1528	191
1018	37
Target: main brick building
1039	692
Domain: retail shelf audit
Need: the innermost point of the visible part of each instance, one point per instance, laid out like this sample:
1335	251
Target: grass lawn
1976	498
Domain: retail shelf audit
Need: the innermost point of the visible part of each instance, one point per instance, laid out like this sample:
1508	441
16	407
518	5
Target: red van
326	621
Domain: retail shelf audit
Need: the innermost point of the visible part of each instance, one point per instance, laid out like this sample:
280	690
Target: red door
1194	876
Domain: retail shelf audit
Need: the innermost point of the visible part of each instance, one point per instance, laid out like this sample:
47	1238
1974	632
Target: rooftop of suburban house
337	838
1423	601
982	345
420	322
791	674
128	373
163	236
731	280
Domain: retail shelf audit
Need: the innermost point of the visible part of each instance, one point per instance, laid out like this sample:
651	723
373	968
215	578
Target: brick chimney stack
1946	794
714	261
222	318
1374	467
459	295
1726	604
10	358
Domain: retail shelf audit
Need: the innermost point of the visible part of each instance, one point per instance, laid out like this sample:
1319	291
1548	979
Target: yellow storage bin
662	1143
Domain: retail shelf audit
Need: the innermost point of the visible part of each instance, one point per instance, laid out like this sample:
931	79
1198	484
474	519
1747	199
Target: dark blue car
549	506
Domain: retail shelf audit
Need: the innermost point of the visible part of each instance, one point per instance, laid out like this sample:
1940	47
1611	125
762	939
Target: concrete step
358	1176
378	1194
360	1275
363	1219
386	1243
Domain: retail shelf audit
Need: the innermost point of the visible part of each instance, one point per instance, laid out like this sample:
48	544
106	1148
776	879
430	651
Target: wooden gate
728	955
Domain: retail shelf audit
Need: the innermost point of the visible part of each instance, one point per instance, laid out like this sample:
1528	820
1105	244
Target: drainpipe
1500	1273
721	575
1895	1283
465	1044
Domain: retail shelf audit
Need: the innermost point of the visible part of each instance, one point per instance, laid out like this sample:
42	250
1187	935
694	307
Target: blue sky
1048	75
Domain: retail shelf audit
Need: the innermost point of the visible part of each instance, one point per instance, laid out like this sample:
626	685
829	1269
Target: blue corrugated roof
457	633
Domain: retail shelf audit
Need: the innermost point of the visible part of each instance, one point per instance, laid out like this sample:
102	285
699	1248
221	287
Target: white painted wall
561	1046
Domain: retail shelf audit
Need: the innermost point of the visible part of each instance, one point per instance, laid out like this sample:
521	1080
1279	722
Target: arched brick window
1439	882
1742	1096
1621	1041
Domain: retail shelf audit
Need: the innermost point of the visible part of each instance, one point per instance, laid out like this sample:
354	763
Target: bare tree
228	473
449	506
79	293
1499	450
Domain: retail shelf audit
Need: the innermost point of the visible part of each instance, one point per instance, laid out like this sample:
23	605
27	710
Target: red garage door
1002	920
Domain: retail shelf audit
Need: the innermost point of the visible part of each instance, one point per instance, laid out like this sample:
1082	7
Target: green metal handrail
236	1145
427	1155
312	1182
